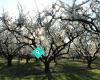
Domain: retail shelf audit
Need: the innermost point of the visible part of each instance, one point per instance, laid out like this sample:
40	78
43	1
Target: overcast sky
28	5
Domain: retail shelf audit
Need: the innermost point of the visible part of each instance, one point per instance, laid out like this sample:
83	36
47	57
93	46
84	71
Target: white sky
28	5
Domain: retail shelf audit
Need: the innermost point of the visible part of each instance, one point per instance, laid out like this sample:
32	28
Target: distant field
65	70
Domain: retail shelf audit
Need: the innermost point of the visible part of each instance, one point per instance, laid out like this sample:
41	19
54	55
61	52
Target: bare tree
8	46
58	36
88	46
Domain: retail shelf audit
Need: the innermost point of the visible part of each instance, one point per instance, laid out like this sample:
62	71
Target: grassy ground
65	70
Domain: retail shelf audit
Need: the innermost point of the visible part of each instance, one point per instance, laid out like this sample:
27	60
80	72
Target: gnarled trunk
47	67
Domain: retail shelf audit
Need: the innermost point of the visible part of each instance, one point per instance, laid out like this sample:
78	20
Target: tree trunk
73	58
47	70
47	65
9	62
19	58
27	60
89	62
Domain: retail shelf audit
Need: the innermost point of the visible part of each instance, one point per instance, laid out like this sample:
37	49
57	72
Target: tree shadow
34	72
68	72
69	69
49	76
21	70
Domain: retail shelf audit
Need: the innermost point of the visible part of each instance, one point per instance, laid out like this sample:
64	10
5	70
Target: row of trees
57	30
